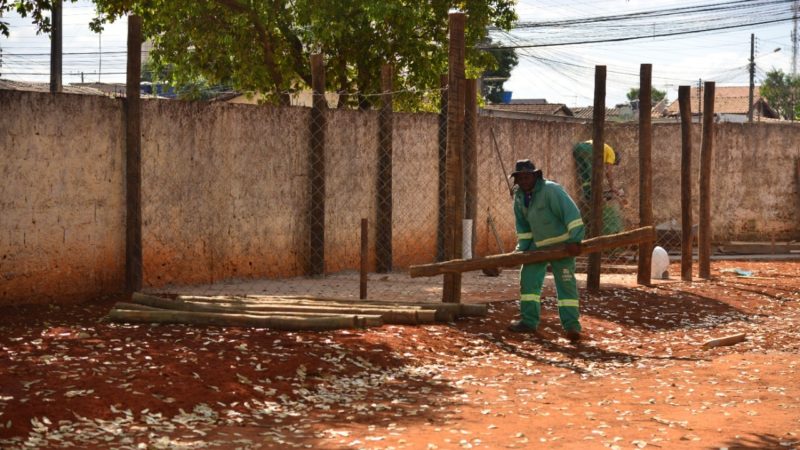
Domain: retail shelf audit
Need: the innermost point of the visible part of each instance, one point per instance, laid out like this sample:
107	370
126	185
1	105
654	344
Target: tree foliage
656	95
265	45
782	91
504	62
37	10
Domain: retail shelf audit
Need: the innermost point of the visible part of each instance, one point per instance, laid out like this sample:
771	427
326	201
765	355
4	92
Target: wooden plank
727	340
588	246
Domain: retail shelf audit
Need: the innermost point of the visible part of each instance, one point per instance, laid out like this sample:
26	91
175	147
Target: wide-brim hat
525	166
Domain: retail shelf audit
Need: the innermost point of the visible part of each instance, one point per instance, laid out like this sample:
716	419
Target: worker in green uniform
546	218
582	152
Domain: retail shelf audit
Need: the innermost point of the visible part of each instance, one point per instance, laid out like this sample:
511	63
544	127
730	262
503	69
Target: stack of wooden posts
290	313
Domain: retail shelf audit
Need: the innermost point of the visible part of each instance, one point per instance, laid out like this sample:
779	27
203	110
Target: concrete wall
62	199
225	188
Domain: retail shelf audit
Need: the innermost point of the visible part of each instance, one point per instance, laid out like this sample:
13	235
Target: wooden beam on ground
727	340
592	245
706	150
645	249
286	323
399	316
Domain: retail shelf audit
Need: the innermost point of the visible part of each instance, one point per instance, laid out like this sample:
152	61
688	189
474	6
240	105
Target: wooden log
396	316
595	225
286	323
588	246
727	340
706	160
645	250
460	310
684	102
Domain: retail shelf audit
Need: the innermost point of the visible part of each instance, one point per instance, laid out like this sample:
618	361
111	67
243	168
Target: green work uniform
582	152
550	218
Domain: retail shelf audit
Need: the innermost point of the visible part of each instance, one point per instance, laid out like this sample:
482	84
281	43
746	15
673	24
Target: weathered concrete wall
62	199
226	188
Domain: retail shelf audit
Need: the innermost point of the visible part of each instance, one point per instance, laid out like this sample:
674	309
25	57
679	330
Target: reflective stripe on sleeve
575	223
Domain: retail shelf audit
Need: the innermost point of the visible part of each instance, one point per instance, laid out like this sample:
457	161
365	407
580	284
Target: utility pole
56	48
752	77
795	8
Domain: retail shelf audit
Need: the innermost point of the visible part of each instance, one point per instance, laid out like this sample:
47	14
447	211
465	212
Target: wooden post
133	159
471	156
383	239
316	210
57	47
684	100
454	186
706	150
362	291
645	170
598	147
440	224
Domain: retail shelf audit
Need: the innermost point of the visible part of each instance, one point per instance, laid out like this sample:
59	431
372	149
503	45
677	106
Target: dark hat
525	166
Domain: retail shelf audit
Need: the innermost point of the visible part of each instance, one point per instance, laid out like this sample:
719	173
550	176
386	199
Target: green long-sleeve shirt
550	218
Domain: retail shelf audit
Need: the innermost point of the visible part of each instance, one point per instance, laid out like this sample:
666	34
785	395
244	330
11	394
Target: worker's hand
573	248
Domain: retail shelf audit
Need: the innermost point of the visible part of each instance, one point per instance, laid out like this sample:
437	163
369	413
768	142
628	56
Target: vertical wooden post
383	238
645	169
440	223
454	186
316	211
56	47
684	101
598	150
133	159
471	156
362	284
706	150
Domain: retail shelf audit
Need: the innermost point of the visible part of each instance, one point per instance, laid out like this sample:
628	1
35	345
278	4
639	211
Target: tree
782	91
493	79
264	45
656	95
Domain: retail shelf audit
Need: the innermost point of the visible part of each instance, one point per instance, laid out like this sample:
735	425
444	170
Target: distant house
301	98
10	85
619	113
532	106
730	105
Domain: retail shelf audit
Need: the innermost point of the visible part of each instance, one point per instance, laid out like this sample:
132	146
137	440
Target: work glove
573	248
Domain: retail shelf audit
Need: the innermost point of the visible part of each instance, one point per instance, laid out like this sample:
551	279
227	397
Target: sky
679	60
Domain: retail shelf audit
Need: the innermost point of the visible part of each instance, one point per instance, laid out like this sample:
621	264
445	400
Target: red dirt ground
641	377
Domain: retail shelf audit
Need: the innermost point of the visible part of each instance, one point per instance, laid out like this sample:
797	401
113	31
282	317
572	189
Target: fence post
454	186
133	159
316	211
383	239
471	157
598	150
706	148
645	170
362	280
440	224
684	101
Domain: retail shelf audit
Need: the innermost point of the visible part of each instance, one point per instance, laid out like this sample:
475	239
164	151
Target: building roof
551	109
615	113
727	100
11	85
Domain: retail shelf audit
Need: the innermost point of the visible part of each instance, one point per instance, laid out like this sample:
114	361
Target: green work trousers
531	281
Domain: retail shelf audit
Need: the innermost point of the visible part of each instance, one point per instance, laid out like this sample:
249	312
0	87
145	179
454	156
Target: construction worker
582	152
612	218
546	218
